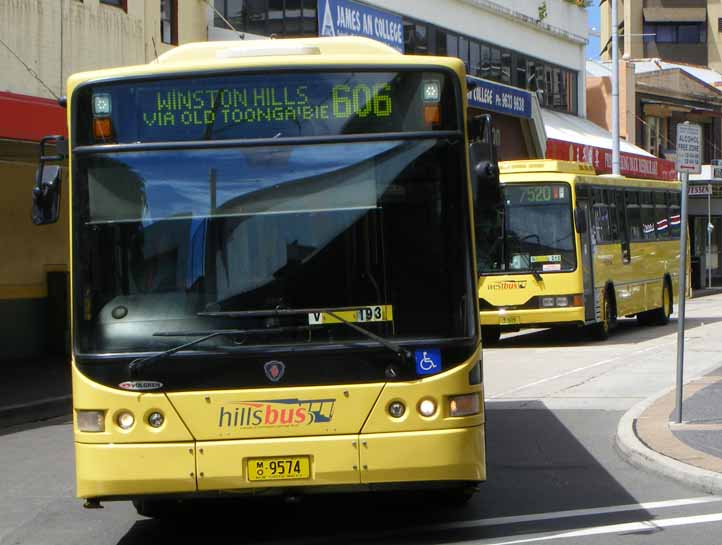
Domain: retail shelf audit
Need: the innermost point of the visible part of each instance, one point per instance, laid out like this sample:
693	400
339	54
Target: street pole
681	297
709	236
615	90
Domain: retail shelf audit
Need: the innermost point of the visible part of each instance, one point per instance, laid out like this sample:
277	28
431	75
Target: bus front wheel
600	330
490	334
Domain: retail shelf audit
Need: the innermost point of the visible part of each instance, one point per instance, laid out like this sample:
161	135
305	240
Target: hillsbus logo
506	285
276	412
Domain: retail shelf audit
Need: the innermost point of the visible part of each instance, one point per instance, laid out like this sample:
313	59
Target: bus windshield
537	232
163	236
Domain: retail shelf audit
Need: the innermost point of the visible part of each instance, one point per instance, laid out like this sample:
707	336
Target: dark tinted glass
168	234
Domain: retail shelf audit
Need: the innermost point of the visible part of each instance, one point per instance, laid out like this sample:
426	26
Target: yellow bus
568	247
273	282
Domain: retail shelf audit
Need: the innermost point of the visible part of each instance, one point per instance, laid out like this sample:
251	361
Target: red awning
632	165
30	118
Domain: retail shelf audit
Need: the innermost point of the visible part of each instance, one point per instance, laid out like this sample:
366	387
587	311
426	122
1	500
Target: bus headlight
464	405
90	421
547	302
562	301
125	420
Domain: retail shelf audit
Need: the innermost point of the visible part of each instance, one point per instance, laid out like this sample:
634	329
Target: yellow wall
60	37
29	251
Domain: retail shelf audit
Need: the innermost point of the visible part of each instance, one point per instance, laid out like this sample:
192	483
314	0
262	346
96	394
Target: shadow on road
535	465
627	331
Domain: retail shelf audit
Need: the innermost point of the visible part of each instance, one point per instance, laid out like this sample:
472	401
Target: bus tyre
660	316
490	334
600	330
155	509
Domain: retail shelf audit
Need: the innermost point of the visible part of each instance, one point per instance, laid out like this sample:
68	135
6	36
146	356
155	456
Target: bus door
583	219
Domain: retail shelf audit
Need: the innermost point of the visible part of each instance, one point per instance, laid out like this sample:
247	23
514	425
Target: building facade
680	31
511	49
43	42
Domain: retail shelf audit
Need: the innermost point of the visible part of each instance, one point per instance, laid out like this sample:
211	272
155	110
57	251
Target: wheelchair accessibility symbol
428	361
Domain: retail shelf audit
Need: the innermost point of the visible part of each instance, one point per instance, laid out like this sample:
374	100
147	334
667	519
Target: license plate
509	320
280	468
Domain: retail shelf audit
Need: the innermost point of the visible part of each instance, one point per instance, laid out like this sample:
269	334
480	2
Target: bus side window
634	215
647	215
675	215
660	214
601	224
613	220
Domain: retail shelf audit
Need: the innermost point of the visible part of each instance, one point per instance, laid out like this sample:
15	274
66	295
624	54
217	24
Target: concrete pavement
690	452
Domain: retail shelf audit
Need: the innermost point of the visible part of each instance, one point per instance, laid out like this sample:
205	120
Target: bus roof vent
222	52
265	48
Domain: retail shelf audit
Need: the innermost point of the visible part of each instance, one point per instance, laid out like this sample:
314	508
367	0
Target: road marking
554	515
573	371
645	526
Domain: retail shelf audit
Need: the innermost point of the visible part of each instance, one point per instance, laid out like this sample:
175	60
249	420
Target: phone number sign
495	97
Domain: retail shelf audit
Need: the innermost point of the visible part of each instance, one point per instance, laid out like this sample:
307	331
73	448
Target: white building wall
560	38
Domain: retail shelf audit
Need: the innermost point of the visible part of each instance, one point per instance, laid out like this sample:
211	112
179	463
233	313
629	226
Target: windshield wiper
138	364
400	351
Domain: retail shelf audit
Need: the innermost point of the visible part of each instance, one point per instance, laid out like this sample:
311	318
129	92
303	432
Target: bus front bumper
337	463
533	317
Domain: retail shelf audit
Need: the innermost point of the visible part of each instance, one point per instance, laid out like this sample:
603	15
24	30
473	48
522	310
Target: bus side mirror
46	193
580	220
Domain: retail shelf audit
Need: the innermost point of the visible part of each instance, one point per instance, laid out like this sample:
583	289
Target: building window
169	21
119	3
287	18
675	33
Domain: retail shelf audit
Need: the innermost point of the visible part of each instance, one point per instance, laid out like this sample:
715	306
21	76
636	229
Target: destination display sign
276	106
536	194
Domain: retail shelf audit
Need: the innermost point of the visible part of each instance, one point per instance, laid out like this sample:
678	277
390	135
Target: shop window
422	39
309	25
495	72
452	45
293	22
520	79
474	58
169	21
275	18
440	43
485	61
464	51
506	67
654	135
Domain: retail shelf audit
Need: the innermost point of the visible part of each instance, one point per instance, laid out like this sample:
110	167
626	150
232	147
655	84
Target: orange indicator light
432	114
578	301
102	128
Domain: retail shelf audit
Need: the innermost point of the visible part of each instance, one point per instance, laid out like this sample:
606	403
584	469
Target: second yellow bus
569	247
